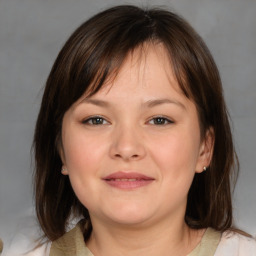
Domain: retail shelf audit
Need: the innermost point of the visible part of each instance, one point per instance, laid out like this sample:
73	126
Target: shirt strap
208	244
70	244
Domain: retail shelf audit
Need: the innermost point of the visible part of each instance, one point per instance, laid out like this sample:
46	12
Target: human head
93	54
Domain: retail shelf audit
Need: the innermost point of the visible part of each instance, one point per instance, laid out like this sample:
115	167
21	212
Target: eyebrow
149	103
100	103
156	102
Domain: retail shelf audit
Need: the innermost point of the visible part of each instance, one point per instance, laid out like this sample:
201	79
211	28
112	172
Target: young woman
133	138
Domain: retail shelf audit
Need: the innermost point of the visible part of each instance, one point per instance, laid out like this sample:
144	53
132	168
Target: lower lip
127	184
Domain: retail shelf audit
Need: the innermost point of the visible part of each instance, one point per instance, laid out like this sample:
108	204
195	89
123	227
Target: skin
130	138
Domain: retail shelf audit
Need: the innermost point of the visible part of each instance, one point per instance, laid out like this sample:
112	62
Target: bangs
91	56
97	55
95	52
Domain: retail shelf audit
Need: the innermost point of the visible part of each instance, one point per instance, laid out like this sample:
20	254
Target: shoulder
71	242
26	240
235	244
22	245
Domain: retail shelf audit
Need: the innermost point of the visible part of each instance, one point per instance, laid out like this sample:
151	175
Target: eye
159	120
95	120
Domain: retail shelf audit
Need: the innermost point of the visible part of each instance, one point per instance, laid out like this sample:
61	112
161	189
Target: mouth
128	180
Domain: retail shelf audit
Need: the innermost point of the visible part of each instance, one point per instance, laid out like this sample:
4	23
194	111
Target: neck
165	238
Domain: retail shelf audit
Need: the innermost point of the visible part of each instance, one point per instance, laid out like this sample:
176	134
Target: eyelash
163	119
93	119
90	120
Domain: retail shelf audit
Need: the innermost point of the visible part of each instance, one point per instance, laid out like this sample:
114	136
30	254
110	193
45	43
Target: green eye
95	121
160	121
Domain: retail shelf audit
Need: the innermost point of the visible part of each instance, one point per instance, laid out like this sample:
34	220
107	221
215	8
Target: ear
64	169
206	151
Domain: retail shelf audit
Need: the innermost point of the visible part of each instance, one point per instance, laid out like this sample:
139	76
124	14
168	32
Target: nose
127	144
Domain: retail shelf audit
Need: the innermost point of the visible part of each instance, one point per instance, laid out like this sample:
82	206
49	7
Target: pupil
159	121
97	120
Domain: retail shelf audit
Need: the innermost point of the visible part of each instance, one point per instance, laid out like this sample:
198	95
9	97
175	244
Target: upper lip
127	175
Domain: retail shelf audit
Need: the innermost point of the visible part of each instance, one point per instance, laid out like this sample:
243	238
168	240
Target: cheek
82	159
81	151
176	156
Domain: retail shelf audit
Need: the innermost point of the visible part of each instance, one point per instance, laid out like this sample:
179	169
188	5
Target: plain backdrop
33	31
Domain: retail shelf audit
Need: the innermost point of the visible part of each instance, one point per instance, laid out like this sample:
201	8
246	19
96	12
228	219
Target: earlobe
60	151
64	170
206	151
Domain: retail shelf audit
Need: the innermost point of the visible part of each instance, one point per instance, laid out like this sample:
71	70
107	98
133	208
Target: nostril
125	150
134	156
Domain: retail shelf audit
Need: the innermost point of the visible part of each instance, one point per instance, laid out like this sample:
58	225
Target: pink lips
127	180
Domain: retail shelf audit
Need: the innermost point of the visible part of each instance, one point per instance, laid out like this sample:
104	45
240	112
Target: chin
129	215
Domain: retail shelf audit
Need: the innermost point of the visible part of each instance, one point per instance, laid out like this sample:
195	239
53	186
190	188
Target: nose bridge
127	142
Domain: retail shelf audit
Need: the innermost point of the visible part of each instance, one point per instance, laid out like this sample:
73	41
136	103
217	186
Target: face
132	149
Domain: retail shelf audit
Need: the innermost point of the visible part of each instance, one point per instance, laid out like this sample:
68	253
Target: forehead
145	79
148	67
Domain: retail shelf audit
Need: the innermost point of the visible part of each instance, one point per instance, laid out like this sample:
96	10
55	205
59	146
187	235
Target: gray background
33	31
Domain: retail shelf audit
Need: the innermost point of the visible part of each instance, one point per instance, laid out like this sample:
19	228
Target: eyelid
87	119
168	119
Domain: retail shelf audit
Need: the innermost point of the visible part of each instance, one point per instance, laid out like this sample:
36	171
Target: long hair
93	53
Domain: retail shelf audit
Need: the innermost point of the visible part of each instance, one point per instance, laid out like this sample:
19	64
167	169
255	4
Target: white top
231	244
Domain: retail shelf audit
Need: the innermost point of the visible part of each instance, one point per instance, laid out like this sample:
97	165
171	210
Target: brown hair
94	52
